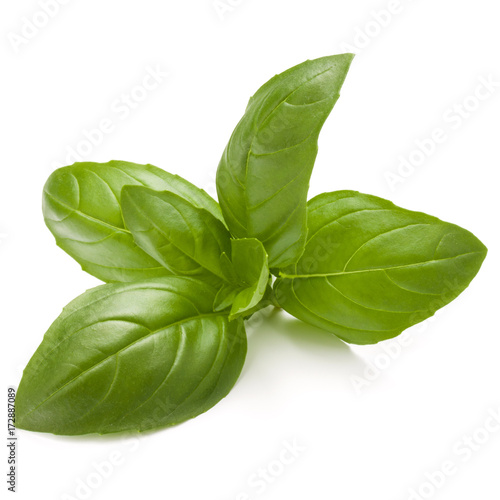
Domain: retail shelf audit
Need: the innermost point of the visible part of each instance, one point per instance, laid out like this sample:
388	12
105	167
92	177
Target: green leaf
190	241
263	176
248	274
371	269
81	207
134	356
186	240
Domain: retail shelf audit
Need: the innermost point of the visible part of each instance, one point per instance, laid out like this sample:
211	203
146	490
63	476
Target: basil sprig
164	339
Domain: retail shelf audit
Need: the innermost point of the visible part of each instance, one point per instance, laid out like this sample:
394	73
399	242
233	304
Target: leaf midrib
185	320
360	271
259	126
170	240
84	215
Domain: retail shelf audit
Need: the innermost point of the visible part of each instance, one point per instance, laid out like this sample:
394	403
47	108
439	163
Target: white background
377	442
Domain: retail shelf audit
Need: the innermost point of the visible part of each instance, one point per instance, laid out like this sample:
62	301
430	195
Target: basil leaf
186	240
81	208
134	356
371	269
263	176
189	241
248	274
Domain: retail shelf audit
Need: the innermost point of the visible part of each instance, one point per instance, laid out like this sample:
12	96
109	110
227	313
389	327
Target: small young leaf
81	207
263	176
134	356
371	269
186	240
225	297
248	274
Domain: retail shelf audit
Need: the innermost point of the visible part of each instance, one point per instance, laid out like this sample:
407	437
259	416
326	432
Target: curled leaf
263	176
